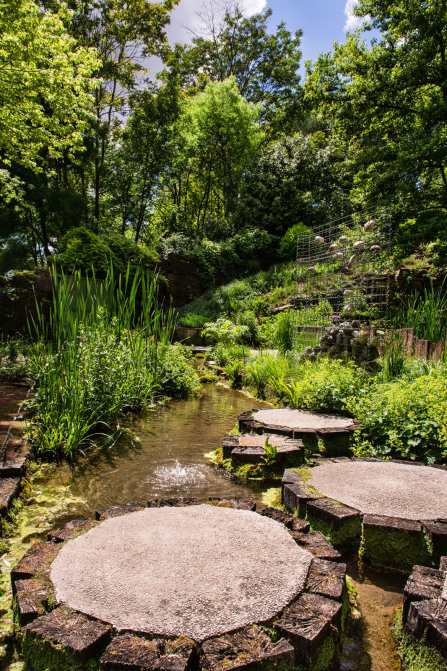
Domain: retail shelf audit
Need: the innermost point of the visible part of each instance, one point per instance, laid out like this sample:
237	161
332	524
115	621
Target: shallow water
160	455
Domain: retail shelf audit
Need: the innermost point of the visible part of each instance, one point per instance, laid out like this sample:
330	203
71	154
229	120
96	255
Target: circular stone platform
384	488
301	419
196	571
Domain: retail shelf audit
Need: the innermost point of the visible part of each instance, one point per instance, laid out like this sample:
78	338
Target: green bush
403	420
326	386
288	244
283	340
193	320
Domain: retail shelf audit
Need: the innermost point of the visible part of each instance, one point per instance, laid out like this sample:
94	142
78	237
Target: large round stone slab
197	571
385	488
301	419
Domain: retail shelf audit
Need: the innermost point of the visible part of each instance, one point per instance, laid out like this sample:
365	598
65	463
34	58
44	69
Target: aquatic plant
103	349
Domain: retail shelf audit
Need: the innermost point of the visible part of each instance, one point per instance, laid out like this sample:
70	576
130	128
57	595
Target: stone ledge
117	511
238	504
32	599
173	502
71	530
423	583
36	560
316	543
128	652
327	579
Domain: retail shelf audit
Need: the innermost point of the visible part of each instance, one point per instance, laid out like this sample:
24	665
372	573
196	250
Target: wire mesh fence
343	272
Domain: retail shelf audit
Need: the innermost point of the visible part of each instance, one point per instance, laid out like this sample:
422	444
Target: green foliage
193	320
224	331
81	249
47	111
284	331
288	243
14	366
234	370
403	419
101	352
426	313
326	386
271	452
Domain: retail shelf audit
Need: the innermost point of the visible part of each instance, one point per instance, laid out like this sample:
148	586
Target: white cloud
352	22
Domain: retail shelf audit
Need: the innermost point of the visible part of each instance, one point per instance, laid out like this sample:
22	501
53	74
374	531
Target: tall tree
124	35
45	82
389	102
264	65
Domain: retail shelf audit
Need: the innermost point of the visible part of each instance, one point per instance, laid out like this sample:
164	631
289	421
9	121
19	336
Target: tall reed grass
426	313
103	349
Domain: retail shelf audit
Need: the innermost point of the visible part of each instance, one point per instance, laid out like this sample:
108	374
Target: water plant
103	349
426	313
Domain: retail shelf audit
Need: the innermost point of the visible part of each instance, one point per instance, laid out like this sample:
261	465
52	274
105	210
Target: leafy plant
271	452
224	331
234	370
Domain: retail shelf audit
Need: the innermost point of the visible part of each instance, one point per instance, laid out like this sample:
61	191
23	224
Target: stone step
246	650
133	652
117	511
423	583
327	578
307	624
71	530
316	543
238	504
67	638
9	489
31	600
36	560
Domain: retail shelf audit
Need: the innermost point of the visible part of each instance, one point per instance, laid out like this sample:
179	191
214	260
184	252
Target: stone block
63	639
422	614
31	600
341	524
278	515
300	525
296	497
134	653
393	542
9	490
423	583
247	650
228	444
117	511
316	543
327	578
308	624
443	564
173	502
238	504
71	530
36	560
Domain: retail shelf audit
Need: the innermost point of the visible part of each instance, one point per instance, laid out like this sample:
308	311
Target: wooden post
421	349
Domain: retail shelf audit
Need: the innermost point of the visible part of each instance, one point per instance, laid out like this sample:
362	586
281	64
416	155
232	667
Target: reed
102	350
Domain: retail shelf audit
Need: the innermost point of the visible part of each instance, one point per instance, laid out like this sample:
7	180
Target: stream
162	455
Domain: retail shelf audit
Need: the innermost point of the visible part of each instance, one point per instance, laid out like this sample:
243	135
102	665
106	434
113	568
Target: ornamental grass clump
104	350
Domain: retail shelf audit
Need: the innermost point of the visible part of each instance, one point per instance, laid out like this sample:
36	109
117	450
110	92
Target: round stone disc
301	419
385	488
195	571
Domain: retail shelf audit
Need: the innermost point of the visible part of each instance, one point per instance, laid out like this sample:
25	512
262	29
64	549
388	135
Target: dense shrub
193	320
403	420
288	243
326	386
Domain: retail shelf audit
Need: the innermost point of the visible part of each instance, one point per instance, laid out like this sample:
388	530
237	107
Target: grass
104	350
416	655
426	313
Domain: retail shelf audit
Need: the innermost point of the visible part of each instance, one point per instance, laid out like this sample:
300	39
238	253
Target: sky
322	21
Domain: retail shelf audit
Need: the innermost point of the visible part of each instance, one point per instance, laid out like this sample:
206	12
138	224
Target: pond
162	455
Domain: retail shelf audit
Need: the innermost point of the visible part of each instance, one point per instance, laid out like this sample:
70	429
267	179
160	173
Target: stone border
54	637
336	440
387	542
424	613
244	450
14	451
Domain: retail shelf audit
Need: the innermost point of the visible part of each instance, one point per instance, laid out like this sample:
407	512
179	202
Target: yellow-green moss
272	498
416	655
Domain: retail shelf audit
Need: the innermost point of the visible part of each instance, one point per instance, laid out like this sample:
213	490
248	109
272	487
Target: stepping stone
316	543
249	649
297	496
31	600
117	511
174	502
63	639
238	504
36	560
308	625
133	653
71	530
423	583
428	620
9	489
393	542
327	578
16	459
300	525
249	449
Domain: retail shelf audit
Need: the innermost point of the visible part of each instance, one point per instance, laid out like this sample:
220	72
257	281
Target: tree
388	102
264	65
124	34
217	138
45	82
